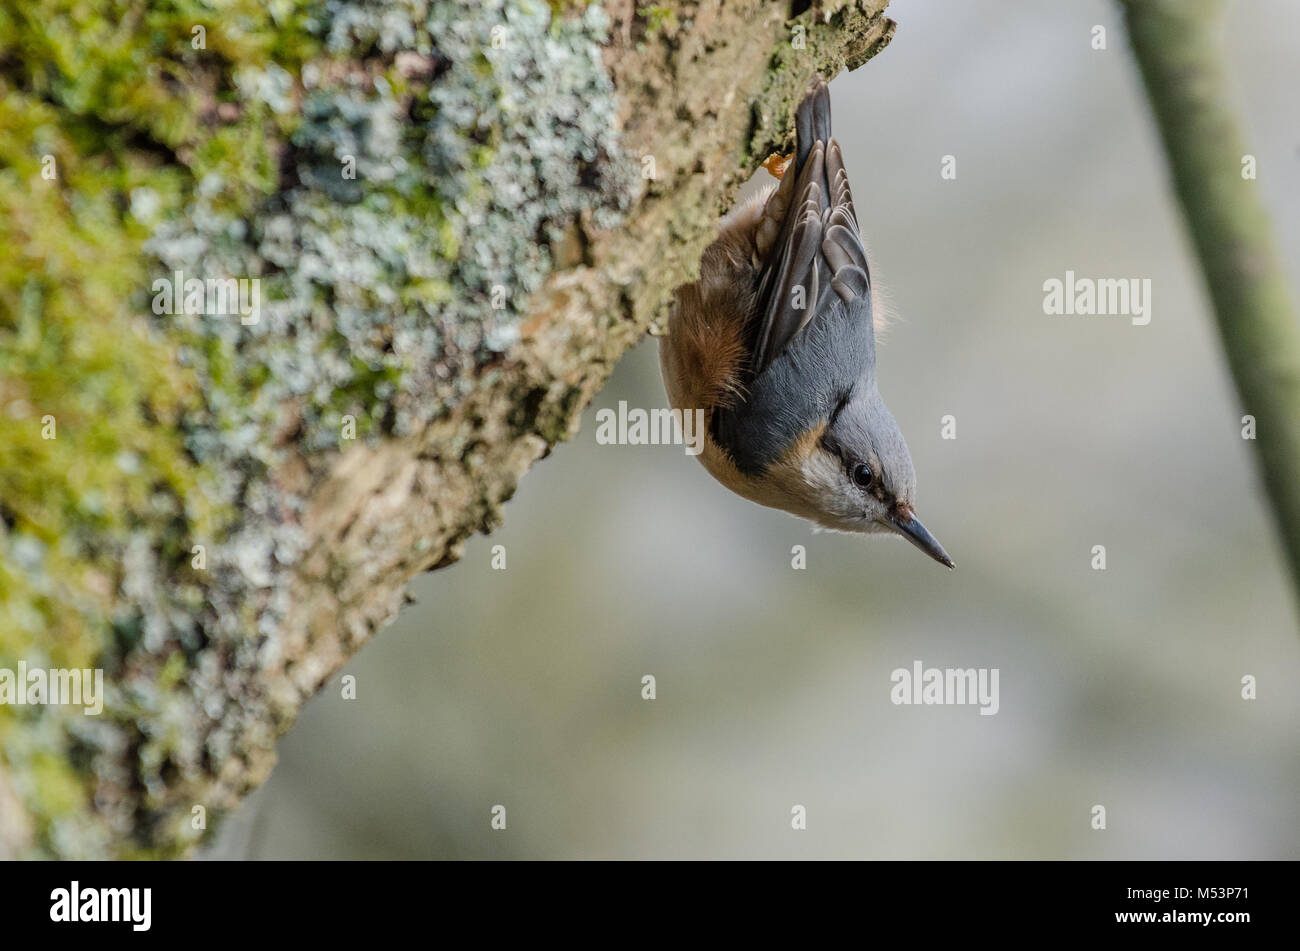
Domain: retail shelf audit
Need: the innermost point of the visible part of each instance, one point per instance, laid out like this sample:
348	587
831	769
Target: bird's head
855	473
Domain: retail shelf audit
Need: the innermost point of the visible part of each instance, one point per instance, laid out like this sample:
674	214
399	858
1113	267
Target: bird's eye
863	475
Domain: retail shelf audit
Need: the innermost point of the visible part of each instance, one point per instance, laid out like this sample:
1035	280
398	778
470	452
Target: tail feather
808	237
813	121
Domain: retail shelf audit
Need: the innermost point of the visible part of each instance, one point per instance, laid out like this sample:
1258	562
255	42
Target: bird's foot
776	164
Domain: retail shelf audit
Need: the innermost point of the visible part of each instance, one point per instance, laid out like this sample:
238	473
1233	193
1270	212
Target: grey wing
809	234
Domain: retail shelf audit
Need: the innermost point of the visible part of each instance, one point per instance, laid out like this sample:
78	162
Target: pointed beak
910	527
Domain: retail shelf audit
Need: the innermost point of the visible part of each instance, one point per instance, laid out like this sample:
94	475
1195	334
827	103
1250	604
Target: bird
775	343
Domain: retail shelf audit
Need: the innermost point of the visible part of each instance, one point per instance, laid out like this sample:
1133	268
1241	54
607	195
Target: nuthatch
776	343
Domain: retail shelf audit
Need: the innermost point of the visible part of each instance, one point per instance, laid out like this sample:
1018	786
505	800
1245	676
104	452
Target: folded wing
809	238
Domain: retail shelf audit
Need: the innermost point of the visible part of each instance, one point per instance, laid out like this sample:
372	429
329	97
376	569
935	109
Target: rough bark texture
182	501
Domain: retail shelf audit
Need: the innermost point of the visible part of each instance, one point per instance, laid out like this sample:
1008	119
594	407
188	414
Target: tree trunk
447	220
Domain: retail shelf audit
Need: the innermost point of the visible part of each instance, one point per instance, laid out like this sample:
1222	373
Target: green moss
560	8
108	95
659	17
70	254
824	51
108	120
59	788
377	298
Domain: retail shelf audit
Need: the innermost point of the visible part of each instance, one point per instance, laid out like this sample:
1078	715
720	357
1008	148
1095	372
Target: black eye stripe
840	404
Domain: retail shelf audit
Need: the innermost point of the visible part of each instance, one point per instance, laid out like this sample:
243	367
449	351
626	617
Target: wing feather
809	232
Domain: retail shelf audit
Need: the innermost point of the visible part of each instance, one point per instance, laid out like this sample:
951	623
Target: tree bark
459	214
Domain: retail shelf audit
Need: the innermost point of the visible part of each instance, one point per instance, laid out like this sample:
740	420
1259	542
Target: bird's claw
776	164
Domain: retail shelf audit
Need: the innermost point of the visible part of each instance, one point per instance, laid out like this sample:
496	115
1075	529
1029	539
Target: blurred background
1119	687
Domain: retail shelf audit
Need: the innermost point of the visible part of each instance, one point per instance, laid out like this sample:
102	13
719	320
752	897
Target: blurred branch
1173	43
